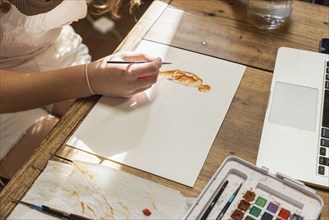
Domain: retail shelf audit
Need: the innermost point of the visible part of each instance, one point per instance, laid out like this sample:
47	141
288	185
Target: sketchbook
169	129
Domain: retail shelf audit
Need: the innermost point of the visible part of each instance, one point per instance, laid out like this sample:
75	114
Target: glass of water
269	14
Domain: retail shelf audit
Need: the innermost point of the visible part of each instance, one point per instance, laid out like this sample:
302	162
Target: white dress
34	44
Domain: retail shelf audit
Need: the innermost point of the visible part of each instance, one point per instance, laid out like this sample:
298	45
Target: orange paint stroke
186	79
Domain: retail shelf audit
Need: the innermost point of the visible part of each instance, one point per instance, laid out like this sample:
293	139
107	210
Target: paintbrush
229	202
52	211
213	202
132	62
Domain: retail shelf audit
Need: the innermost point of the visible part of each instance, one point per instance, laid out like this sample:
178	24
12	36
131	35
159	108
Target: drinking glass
269	14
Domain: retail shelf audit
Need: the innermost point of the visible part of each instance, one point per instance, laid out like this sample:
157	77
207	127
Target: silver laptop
295	137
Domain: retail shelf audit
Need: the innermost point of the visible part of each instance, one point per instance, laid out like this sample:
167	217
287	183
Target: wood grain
223	26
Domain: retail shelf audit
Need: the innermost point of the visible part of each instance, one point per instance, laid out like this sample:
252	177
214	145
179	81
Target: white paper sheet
168	129
99	192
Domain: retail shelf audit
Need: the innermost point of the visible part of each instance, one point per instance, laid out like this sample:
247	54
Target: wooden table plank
235	39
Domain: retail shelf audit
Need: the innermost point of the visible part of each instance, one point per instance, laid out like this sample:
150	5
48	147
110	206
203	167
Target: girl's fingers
143	84
136	56
145	70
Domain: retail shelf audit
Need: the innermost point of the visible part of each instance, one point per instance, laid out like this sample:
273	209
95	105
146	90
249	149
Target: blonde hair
113	7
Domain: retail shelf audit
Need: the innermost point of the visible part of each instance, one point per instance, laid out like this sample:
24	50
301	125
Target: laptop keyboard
324	141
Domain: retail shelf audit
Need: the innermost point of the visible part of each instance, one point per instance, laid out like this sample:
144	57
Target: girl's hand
123	80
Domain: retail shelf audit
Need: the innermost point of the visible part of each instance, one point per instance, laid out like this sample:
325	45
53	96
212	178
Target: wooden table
212	27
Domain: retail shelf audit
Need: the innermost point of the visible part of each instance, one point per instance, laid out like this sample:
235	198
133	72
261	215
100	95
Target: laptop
295	136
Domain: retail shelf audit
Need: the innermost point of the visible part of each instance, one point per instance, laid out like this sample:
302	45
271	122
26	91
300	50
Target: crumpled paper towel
99	192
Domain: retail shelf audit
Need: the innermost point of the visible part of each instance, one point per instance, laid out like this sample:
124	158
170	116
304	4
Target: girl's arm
22	91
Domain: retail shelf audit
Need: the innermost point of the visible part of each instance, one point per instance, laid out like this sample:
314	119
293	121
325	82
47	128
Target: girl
44	67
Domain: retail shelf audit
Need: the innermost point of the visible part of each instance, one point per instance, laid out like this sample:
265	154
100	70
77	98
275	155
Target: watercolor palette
262	196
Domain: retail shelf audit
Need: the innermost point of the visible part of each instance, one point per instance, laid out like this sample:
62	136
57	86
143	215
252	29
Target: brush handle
63	214
214	201
54	212
78	217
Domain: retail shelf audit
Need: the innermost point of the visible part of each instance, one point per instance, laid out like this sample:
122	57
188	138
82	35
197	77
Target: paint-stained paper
99	192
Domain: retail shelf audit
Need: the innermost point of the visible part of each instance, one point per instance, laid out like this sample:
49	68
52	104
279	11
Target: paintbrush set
241	191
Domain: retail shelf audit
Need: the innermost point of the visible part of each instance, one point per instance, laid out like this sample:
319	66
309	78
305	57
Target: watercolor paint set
241	191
